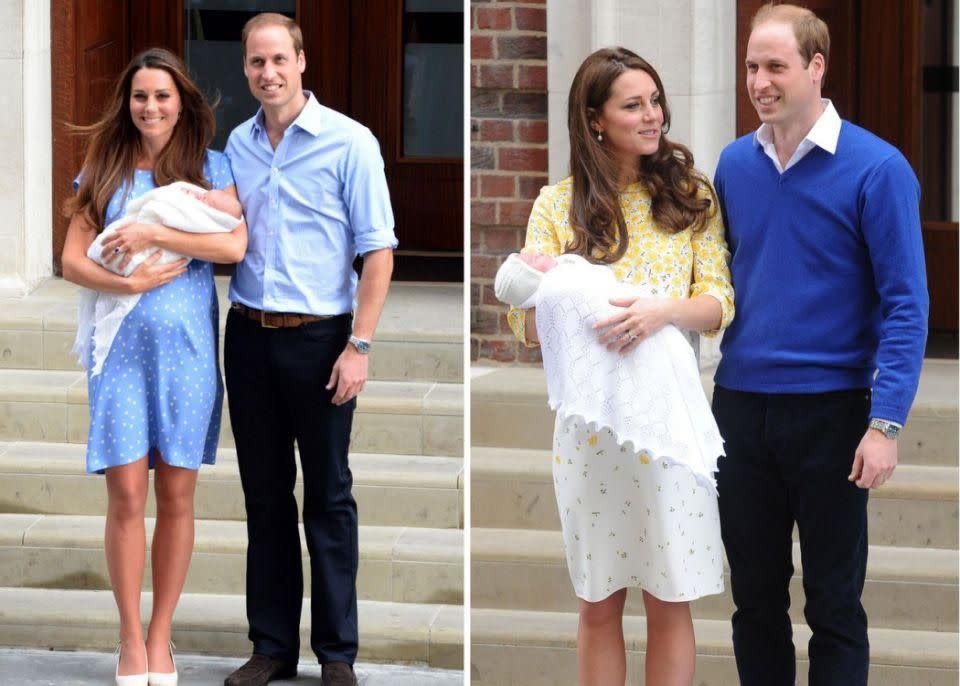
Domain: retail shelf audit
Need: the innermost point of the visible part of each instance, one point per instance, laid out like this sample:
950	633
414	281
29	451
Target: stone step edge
909	481
884	563
228	537
57	312
379	396
523	628
937	395
57	618
369	469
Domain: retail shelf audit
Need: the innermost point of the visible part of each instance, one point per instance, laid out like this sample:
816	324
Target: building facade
893	70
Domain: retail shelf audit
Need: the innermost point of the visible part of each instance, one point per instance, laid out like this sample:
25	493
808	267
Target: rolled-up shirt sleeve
367	197
711	267
541	239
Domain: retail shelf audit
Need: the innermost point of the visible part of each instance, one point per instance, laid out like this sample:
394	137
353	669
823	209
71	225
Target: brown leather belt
278	320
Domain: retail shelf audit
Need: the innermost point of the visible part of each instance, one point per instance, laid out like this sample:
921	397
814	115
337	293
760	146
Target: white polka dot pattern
161	388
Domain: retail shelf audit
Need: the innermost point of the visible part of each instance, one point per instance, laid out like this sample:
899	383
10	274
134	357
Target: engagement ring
116	251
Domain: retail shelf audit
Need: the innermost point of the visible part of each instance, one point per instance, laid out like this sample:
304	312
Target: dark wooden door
355	64
875	78
91	45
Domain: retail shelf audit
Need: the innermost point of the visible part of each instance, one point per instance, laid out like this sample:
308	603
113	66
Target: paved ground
61	668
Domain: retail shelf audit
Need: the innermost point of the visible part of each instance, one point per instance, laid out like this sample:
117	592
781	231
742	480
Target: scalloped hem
705	479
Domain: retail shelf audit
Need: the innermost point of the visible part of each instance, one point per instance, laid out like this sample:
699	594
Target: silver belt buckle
263	321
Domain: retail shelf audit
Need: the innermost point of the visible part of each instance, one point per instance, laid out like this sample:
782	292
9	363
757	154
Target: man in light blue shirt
314	194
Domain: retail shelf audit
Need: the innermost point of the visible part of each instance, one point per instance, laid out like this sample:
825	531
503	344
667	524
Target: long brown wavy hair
113	143
675	187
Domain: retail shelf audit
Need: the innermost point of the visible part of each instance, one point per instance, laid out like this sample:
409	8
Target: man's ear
817	67
302	61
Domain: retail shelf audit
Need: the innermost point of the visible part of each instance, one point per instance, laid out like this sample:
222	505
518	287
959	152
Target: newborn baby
182	206
651	397
179	205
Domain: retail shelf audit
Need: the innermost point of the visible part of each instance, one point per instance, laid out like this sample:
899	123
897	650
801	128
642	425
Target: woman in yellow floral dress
633	202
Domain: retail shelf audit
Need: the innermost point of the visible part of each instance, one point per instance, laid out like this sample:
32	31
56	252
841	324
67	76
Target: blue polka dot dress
160	392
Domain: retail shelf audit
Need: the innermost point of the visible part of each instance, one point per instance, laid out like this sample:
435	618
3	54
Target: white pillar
691	44
25	146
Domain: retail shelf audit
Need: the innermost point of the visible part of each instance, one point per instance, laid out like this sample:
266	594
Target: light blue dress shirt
312	205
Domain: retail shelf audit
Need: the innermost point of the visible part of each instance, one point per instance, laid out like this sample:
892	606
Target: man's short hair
265	19
811	31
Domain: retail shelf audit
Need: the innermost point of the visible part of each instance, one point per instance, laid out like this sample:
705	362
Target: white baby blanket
651	398
101	314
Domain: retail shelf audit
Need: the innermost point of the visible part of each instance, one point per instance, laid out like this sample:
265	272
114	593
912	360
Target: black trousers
788	457
275	382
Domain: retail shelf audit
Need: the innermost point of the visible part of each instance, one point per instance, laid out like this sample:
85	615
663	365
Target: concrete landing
55	668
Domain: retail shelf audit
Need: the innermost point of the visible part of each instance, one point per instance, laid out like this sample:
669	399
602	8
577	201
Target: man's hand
874	461
349	375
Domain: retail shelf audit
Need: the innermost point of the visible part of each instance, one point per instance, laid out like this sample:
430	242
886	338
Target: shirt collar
309	119
825	131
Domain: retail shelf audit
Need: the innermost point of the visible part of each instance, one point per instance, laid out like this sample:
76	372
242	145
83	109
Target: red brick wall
508	79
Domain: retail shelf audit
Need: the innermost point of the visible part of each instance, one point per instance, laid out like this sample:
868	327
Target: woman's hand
128	241
149	275
642	317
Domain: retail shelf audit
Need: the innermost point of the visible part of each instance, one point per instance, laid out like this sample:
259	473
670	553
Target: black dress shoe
260	670
338	674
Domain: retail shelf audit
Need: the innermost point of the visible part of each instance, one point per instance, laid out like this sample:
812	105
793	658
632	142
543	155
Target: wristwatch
888	429
362	346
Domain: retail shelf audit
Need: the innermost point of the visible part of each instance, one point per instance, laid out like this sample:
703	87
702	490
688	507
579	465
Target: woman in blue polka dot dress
157	402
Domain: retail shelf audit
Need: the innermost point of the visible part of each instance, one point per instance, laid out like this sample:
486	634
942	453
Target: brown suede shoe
260	670
338	674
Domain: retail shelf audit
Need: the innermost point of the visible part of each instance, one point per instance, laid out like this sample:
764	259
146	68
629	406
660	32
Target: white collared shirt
824	134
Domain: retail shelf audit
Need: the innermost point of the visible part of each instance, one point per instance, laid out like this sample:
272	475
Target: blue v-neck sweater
828	271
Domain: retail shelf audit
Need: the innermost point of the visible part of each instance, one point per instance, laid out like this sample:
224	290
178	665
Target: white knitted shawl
101	314
650	398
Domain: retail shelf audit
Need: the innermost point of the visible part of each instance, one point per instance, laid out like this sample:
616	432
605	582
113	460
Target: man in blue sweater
821	365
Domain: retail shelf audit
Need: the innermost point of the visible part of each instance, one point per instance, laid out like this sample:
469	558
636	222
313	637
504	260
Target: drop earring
600	136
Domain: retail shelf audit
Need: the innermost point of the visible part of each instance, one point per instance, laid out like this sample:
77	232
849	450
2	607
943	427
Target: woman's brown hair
675	187
113	144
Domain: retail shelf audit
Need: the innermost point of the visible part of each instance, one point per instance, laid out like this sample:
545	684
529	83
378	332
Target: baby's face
543	263
216	198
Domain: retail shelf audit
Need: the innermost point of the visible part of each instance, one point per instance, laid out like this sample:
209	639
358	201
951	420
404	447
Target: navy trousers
275	385
788	458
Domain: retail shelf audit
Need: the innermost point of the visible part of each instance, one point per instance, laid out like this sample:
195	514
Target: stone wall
25	145
508	78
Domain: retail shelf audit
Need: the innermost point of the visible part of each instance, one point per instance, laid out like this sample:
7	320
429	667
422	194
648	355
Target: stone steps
523	616
906	588
513	488
216	625
508	407
406	459
397	564
419	337
400	417
528	648
395	490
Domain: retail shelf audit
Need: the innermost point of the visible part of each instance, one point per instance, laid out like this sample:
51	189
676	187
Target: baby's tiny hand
543	263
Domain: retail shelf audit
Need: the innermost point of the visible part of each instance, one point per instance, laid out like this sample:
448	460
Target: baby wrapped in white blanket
179	205
651	397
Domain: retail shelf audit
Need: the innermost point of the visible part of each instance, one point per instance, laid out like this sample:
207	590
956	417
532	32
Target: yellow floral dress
628	520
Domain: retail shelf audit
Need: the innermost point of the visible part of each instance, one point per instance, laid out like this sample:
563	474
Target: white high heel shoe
129	679
164	678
